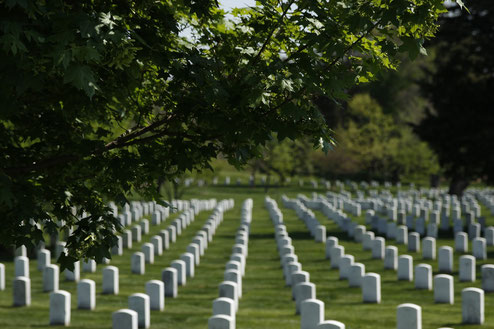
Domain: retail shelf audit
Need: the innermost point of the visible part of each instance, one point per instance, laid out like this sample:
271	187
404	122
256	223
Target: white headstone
224	306
320	233
44	256
2	277
220	321
357	272
60	308
124	319
311	313
155	289
444	289
378	248
487	271
179	265
303	291
461	242
346	262
445	259
408	316
413	242
391	258
472	305
169	278
22	291
21	266
137	263
110	280
429	248
402	235
479	248
140	303
467	271
330	325
157	243
336	253
423	276
148	251
89	266
51	276
405	268
371	288
86	294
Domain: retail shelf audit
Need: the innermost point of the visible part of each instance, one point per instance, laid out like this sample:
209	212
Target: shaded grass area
266	301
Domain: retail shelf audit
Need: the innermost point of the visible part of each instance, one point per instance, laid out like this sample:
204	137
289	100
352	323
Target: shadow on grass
263	236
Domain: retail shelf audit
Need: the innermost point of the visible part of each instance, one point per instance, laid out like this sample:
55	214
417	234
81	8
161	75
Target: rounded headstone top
409	305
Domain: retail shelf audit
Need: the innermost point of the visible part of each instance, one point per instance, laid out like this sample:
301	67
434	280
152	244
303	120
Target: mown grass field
266	301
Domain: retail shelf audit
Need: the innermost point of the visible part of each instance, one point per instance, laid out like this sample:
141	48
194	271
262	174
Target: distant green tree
371	145
101	98
459	126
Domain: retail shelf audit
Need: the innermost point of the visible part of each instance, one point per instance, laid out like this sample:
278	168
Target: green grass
266	301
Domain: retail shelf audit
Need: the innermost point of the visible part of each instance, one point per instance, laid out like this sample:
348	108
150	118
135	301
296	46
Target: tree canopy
459	125
101	98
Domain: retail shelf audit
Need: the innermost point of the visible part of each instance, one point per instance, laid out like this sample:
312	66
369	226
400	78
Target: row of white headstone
226	305
310	309
472	298
138	313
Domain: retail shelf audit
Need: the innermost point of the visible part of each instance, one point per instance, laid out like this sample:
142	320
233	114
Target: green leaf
81	77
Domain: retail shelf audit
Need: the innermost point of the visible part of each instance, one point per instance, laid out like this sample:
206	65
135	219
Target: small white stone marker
117	249
224	306
378	248
299	277
371	288
86	294
367	240
137	263
21	266
124	319
345	263
336	253
429	248
444	289
467	270
414	242
165	238
234	276
44	256
148	251
402	235
89	266
423	276
220	322
157	243
303	291
311	313
405	268
228	289
188	259
51	276
320	233
487	271
155	289
22	291
479	249
445	259
408	316
472	305
110	280
2	277
140	303
391	258
194	249
179	265
60	308
330	325
356	273
136	233
461	242
169	278
489	235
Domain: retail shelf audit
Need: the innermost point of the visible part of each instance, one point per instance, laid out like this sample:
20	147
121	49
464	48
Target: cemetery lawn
266	301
